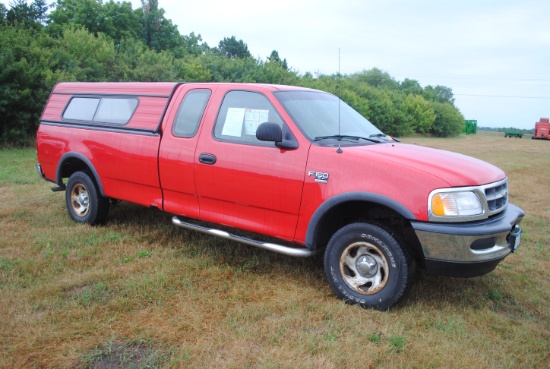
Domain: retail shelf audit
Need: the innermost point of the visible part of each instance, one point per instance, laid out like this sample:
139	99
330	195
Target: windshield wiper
344	137
382	135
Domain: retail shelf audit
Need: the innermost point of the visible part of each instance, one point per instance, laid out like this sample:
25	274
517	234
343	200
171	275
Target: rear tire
368	266
85	203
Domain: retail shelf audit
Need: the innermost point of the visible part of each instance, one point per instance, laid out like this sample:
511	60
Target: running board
285	250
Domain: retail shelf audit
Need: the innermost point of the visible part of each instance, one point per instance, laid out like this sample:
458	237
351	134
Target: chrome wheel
80	200
84	201
364	268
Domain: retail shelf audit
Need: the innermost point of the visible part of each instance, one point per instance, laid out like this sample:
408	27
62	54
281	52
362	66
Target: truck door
177	150
243	182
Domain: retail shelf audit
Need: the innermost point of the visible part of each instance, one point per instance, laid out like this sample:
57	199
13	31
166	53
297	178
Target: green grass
139	292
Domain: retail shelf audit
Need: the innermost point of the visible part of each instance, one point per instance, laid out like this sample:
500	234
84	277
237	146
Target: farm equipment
542	129
516	134
470	127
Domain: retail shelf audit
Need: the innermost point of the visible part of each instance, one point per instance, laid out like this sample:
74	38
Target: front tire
366	265
85	203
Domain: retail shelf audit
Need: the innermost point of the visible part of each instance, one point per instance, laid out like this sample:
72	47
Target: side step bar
285	250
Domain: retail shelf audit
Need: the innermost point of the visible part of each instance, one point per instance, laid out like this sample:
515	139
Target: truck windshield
322	116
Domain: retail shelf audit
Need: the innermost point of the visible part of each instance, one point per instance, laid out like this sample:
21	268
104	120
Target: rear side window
113	110
190	113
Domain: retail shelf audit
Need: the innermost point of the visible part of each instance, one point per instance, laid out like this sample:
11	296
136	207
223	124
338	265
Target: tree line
95	40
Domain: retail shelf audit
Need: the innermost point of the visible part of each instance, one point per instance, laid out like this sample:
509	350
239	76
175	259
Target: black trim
502	222
462	270
76	155
168	102
97	127
347	197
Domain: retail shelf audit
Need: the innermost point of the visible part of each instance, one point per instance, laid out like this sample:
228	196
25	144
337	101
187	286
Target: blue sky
494	55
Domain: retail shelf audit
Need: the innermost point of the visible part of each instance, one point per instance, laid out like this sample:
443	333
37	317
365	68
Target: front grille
497	196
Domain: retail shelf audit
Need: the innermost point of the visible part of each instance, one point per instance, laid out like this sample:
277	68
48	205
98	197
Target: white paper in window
253	118
233	125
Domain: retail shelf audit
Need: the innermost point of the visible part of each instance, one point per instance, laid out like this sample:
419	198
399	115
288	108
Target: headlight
466	204
455	204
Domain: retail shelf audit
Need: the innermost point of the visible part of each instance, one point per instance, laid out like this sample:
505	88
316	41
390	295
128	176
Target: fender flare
79	156
334	201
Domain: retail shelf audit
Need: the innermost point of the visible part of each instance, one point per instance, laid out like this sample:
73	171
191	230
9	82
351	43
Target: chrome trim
481	192
456	248
453	242
285	250
39	170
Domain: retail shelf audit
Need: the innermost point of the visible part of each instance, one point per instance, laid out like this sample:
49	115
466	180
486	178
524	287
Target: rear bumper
39	170
469	249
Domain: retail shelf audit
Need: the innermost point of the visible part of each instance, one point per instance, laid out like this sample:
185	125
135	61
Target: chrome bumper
39	170
464	246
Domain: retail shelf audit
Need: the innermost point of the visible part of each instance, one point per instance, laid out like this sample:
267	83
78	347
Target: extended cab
294	164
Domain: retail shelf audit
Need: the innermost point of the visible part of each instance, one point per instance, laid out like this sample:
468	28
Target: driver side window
240	115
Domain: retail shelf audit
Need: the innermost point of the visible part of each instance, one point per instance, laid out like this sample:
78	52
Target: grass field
139	292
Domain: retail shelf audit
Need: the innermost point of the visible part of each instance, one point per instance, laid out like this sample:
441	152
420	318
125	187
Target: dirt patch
117	355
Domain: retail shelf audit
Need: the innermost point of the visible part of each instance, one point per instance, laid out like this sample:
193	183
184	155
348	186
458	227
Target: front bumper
469	249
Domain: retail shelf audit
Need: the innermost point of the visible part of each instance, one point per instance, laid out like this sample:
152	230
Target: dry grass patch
139	292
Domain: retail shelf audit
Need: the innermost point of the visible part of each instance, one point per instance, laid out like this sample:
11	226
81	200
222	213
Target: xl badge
320	177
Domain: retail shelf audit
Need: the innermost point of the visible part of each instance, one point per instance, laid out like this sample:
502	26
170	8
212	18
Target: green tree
449	121
25	81
113	19
233	48
3	13
120	21
411	86
420	114
441	94
274	58
225	69
192	44
76	14
190	69
23	14
136	62
376	78
93	56
158	32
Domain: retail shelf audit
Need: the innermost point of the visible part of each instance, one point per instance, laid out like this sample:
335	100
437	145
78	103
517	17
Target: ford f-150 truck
293	164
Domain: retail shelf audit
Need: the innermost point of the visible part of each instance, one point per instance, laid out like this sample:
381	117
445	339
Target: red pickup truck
295	164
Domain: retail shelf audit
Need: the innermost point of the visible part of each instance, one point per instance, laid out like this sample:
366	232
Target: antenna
339	151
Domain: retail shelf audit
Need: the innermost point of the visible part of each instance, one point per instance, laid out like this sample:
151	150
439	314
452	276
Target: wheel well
368	212
72	164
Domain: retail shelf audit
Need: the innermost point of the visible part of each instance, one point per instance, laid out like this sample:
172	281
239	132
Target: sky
493	54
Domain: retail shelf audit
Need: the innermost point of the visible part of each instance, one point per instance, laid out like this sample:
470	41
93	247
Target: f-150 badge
320	177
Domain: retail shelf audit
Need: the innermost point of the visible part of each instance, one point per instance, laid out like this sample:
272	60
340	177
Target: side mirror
282	137
269	132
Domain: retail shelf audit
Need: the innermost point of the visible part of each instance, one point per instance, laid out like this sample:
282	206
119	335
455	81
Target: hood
455	169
